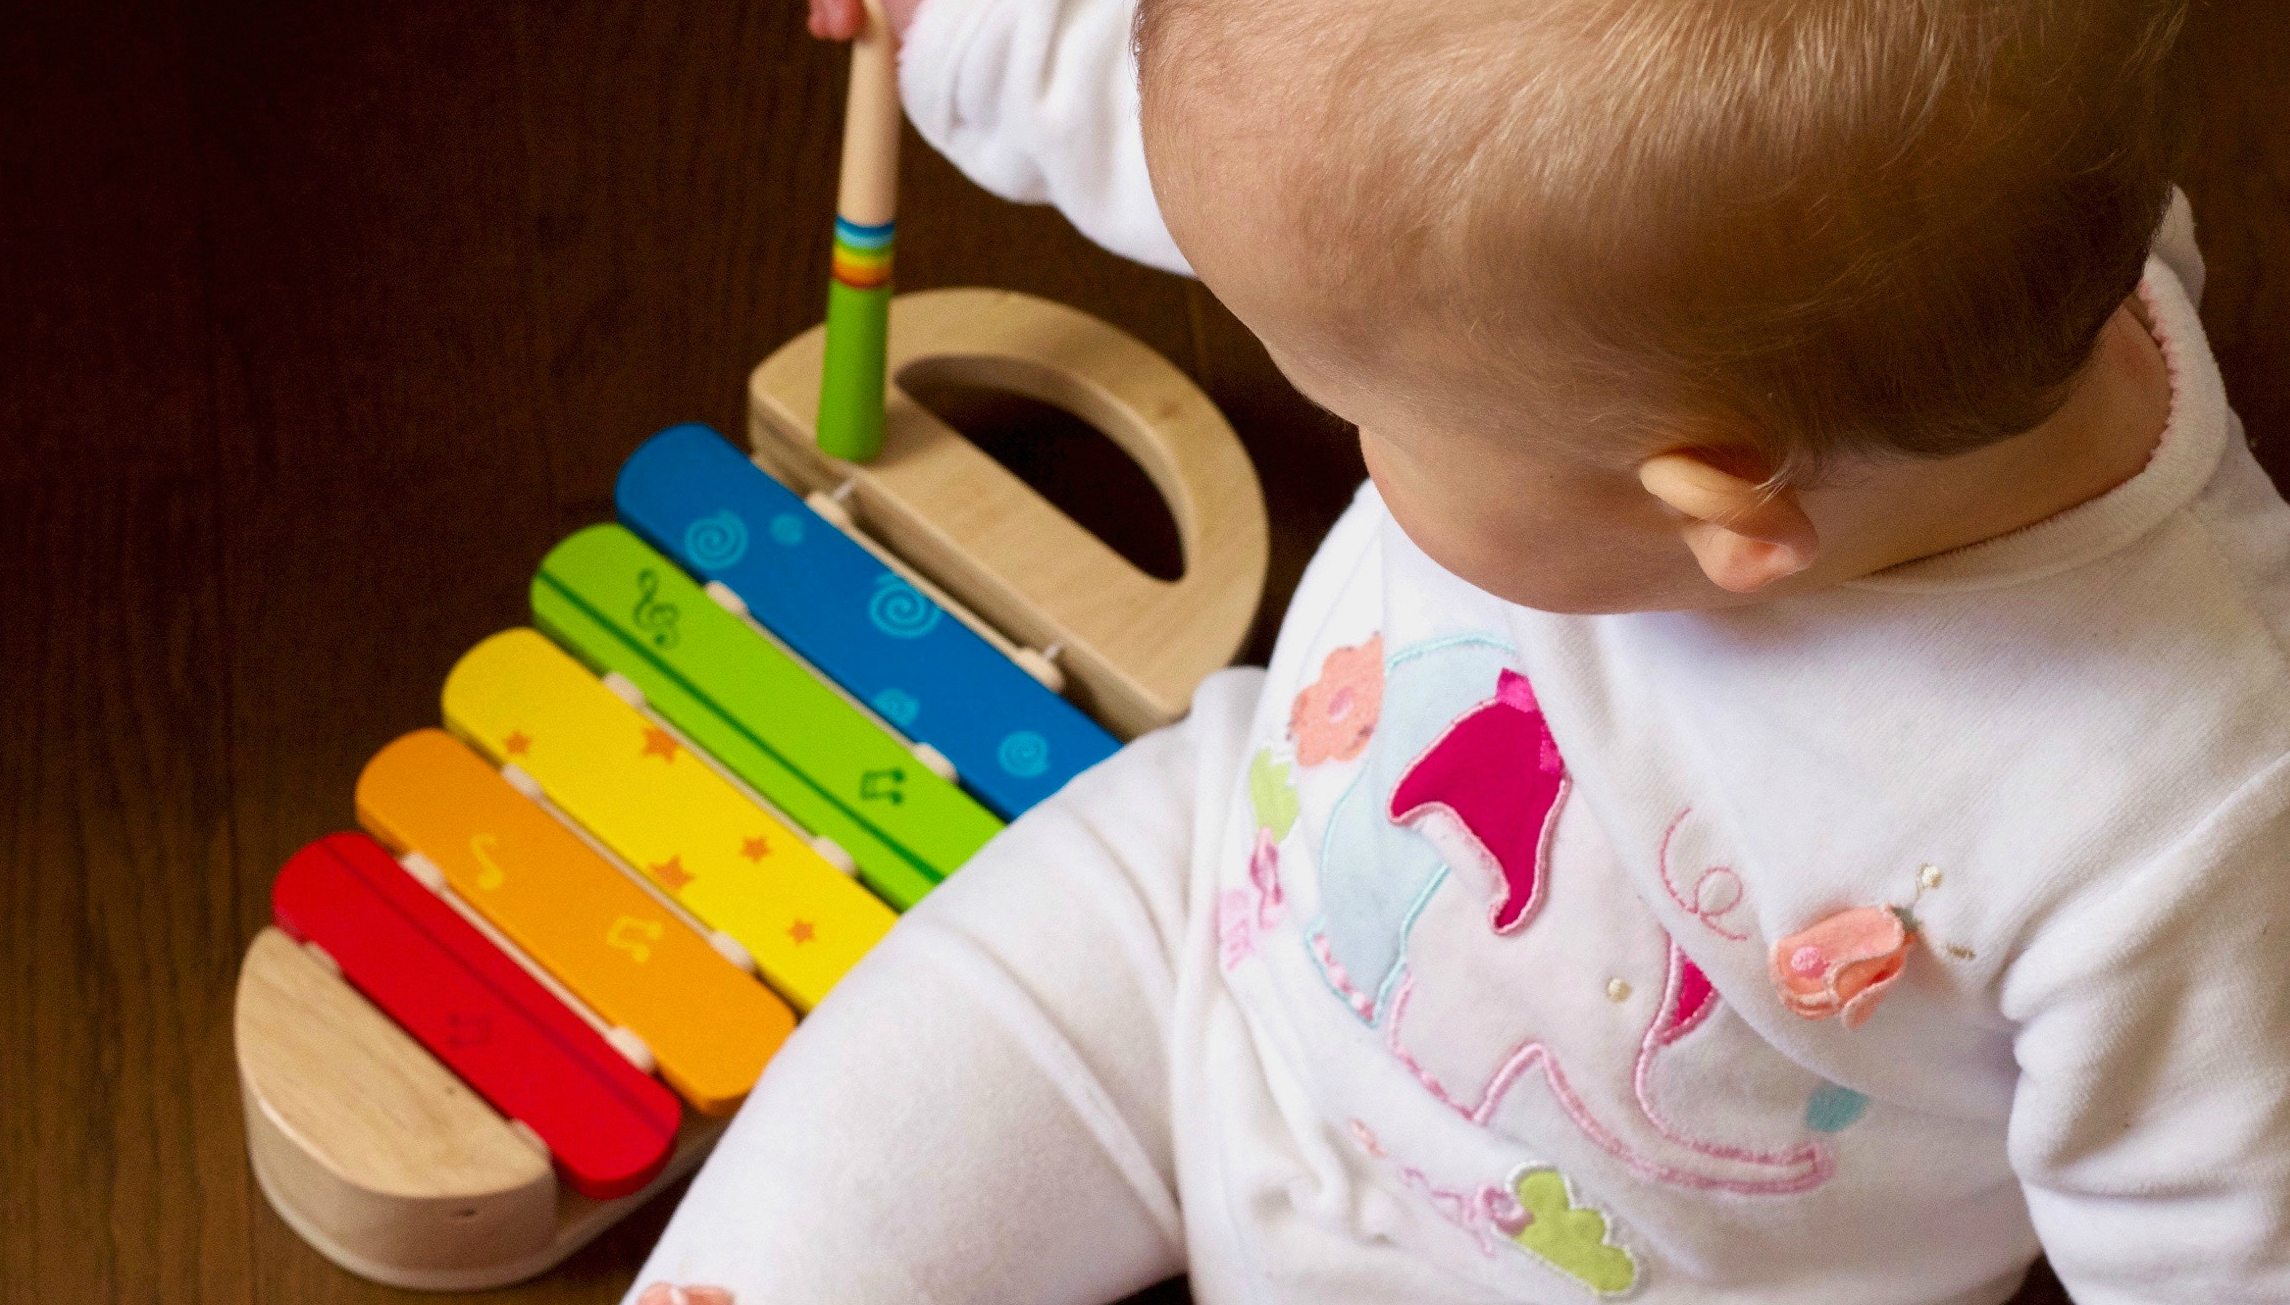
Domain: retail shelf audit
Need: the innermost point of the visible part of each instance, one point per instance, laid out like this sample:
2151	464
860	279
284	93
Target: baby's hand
838	20
660	1293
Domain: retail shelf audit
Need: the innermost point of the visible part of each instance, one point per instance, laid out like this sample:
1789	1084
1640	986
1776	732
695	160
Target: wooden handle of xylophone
1133	647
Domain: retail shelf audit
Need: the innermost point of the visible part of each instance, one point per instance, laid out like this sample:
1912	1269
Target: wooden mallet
859	288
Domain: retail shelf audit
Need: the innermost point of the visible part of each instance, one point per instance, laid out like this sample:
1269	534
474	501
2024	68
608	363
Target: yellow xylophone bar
709	1028
638	790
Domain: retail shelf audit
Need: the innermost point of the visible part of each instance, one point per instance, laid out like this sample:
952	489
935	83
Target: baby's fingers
831	20
661	1293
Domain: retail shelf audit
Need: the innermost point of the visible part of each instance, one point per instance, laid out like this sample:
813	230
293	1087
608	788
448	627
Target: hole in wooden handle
1060	454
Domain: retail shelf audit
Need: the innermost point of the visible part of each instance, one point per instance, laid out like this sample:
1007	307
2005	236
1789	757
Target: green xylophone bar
613	602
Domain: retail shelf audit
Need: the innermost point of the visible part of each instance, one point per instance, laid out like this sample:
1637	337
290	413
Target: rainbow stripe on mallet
862	258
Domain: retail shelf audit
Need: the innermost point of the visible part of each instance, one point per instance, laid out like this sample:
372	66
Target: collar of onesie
2193	440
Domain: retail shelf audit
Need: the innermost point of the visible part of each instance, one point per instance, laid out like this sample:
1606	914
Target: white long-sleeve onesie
1434	962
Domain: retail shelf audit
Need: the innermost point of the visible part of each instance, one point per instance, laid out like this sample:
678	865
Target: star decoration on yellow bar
659	743
672	874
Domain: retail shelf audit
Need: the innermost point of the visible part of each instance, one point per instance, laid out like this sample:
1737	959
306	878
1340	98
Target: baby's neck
2102	436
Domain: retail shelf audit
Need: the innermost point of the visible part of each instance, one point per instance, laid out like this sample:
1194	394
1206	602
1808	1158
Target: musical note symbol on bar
634	936
489	873
654	617
883	785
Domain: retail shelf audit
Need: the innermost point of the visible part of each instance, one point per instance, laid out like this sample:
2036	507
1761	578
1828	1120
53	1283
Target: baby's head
1528	245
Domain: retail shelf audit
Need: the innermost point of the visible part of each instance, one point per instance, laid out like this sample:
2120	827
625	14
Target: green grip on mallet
858	339
852	376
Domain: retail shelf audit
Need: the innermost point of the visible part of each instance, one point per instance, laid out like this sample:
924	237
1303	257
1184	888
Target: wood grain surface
322	323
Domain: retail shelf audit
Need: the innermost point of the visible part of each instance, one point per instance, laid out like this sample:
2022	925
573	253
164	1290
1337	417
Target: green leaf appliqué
1570	1238
1272	794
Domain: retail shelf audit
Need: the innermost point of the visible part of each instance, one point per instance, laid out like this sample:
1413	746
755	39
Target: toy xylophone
748	724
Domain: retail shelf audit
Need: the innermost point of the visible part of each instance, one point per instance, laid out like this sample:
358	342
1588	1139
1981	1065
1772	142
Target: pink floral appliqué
1333	716
1843	965
1244	914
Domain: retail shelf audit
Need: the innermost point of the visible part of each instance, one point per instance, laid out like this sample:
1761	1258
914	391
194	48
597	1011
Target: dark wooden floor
318	324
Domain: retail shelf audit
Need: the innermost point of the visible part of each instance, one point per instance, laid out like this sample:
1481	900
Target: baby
1779	790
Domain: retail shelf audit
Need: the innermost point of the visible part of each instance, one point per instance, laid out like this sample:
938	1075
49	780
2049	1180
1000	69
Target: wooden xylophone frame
460	1199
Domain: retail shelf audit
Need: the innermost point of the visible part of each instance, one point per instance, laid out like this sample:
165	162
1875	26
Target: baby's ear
1744	534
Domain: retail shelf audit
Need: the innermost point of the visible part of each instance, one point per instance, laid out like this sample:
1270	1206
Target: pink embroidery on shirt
1488	791
1717	891
1368	1140
1475	1212
1236	927
1482	1213
1333	716
1244	915
1362	1004
1264	880
1536	1212
1688	1000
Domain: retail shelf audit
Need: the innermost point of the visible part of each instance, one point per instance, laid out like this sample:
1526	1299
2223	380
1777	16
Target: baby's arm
979	1112
2151	1128
1037	101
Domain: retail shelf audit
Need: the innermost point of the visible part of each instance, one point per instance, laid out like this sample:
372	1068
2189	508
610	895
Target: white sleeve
1037	101
2151	1126
979	1113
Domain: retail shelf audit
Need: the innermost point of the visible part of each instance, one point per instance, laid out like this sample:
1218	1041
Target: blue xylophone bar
1011	740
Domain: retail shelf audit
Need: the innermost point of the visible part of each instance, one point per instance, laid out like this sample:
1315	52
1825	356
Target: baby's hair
1831	228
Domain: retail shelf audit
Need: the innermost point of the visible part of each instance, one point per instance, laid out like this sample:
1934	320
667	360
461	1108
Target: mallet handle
866	206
